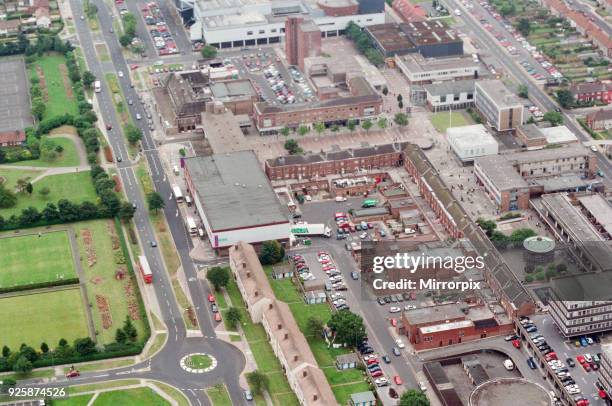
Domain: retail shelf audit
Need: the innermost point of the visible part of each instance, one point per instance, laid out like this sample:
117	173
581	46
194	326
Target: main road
535	92
165	365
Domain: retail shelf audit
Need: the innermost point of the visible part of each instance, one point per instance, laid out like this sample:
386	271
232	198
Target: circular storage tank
509	392
539	250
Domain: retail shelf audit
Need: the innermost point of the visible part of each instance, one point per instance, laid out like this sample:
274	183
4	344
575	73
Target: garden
21	261
50	74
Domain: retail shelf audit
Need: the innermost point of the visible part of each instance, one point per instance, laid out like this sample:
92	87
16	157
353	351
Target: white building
243	23
471	141
450	95
235	200
558	135
428	70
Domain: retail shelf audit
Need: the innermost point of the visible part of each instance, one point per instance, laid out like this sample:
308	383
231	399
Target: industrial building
245	23
501	108
235	200
429	38
362	102
418	69
471	141
511	179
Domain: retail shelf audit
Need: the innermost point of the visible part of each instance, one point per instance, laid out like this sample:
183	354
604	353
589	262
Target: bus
369	203
191	225
97	86
145	270
178	195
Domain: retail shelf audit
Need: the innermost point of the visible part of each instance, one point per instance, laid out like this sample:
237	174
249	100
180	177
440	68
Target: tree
126	211
38	108
351	124
84	346
400	98
523	91
413	397
120	336
218	276
292	147
132	133
382	123
285	131
22	365
400	105
487	225
258	382
129	329
314	326
88	79
553	117
348	327
303	130
155	201
233	316
271	253
319	127
22	184
385	91
29	188
523	26
125	40
367	124
519	235
7	197
565	98
507	9
401	119
335	128
209	52
44	348
6	351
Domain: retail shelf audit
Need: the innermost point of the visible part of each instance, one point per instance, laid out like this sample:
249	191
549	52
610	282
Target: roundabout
198	363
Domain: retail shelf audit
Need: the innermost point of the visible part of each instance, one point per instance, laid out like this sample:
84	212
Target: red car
376	374
516	343
393	322
217	316
211	298
551	356
109	127
372	361
582	402
73	373
581	359
397	380
586	367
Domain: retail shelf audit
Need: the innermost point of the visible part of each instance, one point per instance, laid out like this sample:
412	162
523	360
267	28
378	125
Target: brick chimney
315	397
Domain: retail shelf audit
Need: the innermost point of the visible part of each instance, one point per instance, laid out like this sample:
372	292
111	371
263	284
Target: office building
501	108
418	69
450	95
471	141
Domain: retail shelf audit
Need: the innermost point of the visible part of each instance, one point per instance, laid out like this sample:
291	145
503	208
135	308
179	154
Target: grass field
81	400
76	187
137	396
30	259
442	120
101	278
11	176
68	157
58	102
218	396
42	317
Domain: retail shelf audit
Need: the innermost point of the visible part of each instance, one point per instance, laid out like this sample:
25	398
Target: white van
340	199
508	365
175	169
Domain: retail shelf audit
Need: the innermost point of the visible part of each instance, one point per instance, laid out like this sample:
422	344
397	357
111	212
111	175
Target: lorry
305	229
191	225
178	195
369	203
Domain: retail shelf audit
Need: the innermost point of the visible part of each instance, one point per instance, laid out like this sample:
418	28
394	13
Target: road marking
100	376
124	373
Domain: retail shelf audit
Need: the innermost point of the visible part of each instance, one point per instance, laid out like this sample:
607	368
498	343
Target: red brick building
334	162
302	40
12	138
595	91
362	103
439	326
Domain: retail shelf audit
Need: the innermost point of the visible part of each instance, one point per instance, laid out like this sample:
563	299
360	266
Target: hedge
39	285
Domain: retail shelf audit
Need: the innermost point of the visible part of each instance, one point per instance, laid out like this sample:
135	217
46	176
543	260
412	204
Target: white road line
100	376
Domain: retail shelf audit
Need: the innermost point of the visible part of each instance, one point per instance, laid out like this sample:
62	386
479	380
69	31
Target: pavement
164	366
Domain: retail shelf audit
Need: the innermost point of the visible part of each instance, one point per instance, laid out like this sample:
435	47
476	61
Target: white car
381	382
400	343
363	236
422	386
120	73
588	358
410	307
394	309
589	341
593	148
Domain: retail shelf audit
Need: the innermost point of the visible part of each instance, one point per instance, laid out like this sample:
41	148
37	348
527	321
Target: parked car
398	380
396	352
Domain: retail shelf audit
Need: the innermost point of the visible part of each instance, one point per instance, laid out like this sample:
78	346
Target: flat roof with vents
234	191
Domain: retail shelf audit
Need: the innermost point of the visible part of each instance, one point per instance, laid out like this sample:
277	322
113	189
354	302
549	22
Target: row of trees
490	228
364	44
129	29
27	358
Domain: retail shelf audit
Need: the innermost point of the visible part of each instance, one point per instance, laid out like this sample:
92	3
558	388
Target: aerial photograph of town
306	202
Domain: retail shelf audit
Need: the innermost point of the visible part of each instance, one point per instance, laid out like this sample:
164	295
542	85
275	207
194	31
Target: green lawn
284	290
11	176
58	102
136	396
68	157
343	392
218	396
31	259
81	400
199	361
101	279
442	120
302	312
76	187
42	317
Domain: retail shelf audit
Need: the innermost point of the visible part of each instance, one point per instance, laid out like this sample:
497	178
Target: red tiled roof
11	137
592	87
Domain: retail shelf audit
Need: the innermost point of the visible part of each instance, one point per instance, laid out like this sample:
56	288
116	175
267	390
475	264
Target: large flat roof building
235	199
471	141
501	108
418	69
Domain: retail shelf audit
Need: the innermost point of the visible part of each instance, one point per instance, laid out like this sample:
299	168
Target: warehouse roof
234	191
500	172
497	91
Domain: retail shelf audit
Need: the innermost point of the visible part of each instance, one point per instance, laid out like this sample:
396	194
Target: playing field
443	120
42	317
55	85
31	259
